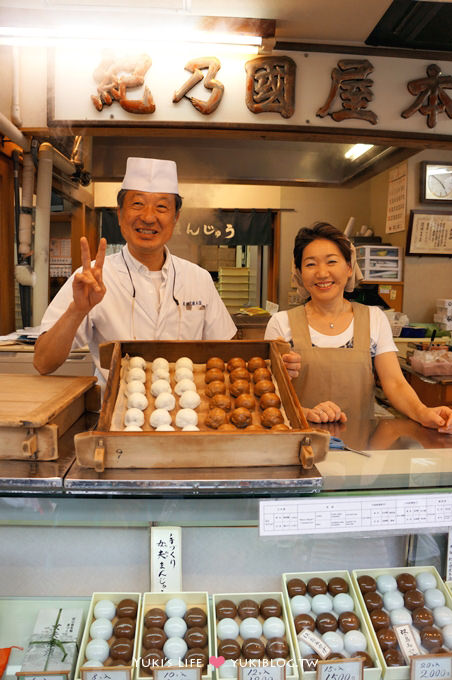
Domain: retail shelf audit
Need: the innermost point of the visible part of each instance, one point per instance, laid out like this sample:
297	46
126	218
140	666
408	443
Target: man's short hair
122	193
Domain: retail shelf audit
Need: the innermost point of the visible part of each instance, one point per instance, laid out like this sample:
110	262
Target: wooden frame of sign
114	673
421	229
354	668
177	673
417	673
44	674
256	670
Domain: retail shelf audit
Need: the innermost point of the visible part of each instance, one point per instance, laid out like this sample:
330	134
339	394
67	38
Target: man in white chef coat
140	293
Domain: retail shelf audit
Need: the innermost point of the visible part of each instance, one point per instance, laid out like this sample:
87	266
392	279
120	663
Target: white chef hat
151	174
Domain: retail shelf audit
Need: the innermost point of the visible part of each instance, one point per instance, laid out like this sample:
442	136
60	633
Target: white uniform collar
141	268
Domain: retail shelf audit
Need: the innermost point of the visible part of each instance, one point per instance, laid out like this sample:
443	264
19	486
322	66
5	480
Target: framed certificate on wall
430	233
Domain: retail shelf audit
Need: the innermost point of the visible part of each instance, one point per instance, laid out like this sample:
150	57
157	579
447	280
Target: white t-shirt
186	307
381	339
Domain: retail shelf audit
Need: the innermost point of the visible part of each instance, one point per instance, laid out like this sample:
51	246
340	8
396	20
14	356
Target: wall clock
436	182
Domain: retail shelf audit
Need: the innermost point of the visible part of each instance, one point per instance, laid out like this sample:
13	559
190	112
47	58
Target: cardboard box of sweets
324	618
390	596
110	636
258	446
255	629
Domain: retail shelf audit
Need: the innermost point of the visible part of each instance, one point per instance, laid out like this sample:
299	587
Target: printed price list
373	513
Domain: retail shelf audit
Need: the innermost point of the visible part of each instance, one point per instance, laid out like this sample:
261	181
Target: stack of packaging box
443	314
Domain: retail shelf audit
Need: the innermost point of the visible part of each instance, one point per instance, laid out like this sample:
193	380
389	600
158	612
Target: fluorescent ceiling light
357	150
12	35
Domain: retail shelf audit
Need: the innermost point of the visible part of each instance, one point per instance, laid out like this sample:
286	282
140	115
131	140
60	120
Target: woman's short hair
122	193
307	235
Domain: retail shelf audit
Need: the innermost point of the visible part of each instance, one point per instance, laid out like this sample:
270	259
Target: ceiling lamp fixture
212	30
357	150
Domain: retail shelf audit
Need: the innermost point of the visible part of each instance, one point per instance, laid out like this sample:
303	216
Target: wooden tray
36	410
108	449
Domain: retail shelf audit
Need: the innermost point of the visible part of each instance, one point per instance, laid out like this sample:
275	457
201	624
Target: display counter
70	531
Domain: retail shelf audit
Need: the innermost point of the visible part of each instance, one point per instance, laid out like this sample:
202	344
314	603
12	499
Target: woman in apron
337	344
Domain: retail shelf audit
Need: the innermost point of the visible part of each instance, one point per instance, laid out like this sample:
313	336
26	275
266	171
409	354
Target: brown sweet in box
255	363
239	387
215	362
236	362
221	401
241	417
239	374
261	374
245	401
272	416
263	386
215	418
213	374
215	387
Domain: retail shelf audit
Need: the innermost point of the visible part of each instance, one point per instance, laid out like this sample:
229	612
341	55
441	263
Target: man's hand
292	362
88	287
325	412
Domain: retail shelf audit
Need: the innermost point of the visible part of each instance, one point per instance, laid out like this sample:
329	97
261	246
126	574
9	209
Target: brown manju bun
241	417
255	363
227	427
215	418
215	387
213	374
261	374
245	401
263	386
221	401
239	374
271	416
239	387
236	362
215	362
269	399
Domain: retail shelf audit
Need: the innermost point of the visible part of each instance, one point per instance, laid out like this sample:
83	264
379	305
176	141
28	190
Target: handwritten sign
340	669
262	672
178	673
166	559
105	674
316	643
407	641
431	667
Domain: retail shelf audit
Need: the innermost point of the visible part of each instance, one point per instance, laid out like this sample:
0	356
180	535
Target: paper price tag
178	673
407	641
105	674
44	675
260	671
316	643
431	667
340	669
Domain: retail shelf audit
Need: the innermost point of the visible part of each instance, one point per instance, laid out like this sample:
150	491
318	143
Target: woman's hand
292	362
437	417
325	412
88	287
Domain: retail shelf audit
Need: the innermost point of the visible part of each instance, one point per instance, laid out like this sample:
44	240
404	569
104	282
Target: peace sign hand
88	287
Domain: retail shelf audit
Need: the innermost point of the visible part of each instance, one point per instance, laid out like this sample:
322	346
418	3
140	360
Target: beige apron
343	375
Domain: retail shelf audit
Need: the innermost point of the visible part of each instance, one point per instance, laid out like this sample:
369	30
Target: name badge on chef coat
193	304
